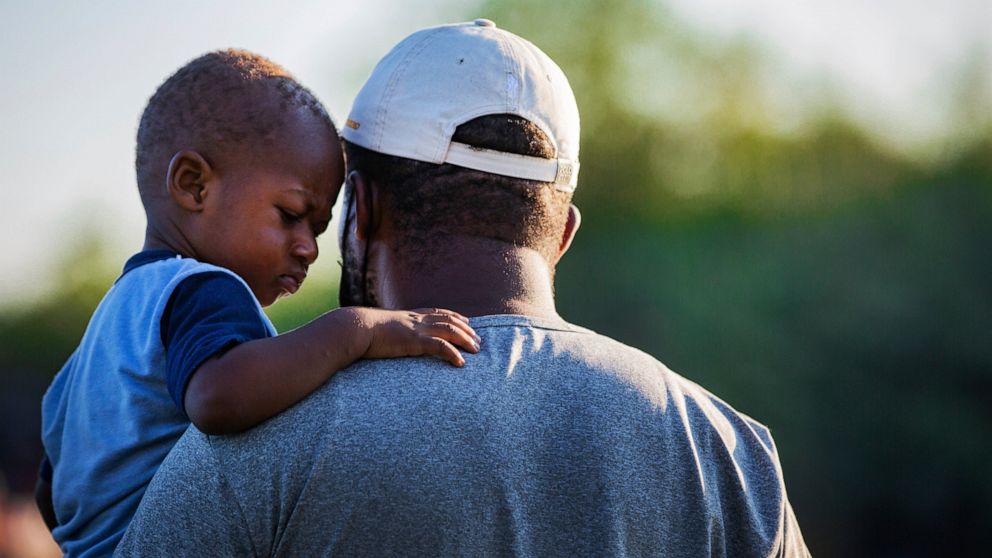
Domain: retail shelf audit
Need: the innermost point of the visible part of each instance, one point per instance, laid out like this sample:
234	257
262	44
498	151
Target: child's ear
186	179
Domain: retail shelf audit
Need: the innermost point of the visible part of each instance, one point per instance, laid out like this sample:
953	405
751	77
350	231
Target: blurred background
787	202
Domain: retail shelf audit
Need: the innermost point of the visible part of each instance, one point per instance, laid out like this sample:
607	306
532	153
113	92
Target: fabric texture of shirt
209	313
553	440
109	417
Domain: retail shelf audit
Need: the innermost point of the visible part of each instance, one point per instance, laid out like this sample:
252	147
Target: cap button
484	23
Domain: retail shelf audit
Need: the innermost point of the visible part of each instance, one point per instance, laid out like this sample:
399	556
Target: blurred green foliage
828	284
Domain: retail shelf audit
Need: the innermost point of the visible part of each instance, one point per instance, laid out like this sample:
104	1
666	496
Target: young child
238	167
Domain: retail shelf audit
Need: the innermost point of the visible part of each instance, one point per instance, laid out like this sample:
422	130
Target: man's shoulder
521	357
527	349
598	369
516	351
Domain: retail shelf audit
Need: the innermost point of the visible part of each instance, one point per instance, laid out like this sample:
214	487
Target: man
462	155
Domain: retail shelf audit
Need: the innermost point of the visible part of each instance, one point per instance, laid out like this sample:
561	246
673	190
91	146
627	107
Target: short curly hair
216	100
430	201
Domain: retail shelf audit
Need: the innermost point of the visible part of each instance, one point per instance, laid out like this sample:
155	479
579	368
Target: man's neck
472	276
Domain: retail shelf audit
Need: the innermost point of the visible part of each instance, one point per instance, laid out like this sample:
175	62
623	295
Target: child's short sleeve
207	314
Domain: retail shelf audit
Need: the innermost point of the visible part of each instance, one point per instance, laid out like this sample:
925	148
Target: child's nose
306	247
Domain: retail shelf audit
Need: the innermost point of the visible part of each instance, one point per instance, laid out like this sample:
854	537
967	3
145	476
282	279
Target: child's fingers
441	319
440	348
435	315
441	311
453	333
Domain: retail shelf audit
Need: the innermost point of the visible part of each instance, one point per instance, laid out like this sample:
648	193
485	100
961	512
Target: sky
74	78
891	61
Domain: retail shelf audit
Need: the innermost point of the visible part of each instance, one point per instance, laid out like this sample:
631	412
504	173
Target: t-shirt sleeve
207	314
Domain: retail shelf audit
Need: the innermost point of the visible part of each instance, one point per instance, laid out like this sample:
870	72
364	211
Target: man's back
552	440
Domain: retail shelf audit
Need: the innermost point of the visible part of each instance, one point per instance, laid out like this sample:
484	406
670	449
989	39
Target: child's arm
258	379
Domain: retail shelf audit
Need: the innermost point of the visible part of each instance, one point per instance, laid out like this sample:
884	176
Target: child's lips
291	282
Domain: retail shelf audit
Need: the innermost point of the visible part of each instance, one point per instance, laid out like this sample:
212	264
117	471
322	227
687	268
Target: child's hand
424	331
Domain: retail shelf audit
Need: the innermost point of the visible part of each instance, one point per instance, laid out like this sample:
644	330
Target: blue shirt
116	408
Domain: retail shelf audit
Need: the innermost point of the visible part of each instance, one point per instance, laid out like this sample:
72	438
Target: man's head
238	165
462	131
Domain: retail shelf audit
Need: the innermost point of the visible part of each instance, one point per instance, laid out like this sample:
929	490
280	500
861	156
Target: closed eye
289	217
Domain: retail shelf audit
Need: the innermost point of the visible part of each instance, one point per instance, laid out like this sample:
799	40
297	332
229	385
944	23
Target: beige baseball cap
441	77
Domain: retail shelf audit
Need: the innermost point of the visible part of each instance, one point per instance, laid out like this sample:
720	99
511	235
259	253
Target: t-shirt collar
146	257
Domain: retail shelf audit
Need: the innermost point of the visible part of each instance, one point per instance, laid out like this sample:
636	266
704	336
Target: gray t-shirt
553	440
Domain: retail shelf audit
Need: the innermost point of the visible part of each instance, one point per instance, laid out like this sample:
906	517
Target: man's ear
571	227
366	205
187	178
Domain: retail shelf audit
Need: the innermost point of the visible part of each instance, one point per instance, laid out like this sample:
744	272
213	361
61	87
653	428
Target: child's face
262	215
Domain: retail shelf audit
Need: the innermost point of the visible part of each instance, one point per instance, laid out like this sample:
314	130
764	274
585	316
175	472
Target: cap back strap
563	173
